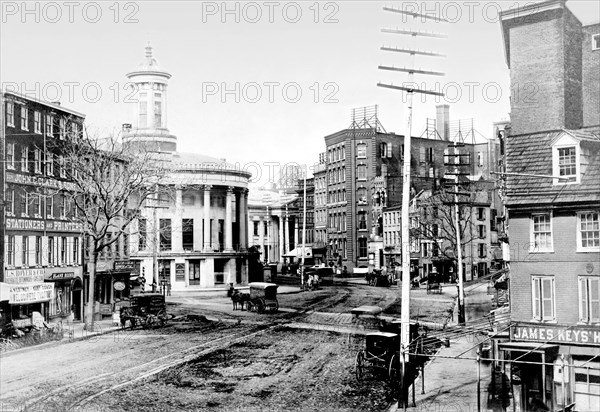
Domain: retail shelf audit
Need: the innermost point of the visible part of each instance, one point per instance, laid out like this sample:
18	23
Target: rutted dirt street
245	361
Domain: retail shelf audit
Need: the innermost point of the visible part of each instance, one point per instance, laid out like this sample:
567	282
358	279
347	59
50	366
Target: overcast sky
264	54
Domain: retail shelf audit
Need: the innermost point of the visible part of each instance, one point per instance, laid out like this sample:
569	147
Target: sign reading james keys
557	334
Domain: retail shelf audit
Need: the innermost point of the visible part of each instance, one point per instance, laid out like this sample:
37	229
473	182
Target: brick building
554	227
43	245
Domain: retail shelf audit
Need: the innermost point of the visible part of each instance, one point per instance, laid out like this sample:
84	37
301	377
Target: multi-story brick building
43	245
553	189
320	202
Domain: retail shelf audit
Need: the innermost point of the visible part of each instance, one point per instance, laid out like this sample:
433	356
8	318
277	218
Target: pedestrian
345	272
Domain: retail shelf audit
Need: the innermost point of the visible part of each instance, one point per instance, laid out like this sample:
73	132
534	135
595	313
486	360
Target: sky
262	82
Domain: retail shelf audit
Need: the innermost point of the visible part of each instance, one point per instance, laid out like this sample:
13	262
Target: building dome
149	66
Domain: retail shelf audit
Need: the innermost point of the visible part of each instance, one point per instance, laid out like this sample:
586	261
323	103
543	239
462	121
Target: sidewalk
450	383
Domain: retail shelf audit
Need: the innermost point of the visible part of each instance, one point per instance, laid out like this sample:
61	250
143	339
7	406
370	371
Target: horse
240	299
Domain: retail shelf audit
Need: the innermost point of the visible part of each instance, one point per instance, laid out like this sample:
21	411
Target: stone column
297	242
243	219
177	228
261	234
206	238
228	211
286	234
280	239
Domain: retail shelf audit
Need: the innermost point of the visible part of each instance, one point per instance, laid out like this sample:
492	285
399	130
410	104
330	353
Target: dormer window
566	160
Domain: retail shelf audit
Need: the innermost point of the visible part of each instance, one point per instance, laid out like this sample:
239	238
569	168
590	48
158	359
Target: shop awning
298	252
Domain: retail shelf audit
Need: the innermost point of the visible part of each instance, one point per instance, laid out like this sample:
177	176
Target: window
10	114
25	251
10	201
10	156
24	118
589	232
481	231
37	161
361	150
62	168
37	122
25	159
74	130
49	124
596	42
543	298
24	204
362	247
49	164
62	206
479	159
361	172
75	259
567	163
38	250
589	299
36	206
63	250
50	207
255	223
194	272
157	110
50	250
187	234
482	250
541	240
480	213
142	233
165	234
143	110
361	195
430	155
10	250
362	220
62	128
384	150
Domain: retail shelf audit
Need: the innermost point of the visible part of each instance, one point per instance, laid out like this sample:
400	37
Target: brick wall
565	264
590	77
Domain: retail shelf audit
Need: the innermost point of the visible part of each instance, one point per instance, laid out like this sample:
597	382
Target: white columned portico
206	238
242	218
261	234
228	212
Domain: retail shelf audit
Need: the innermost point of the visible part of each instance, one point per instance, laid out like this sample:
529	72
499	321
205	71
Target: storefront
62	279
28	300
557	366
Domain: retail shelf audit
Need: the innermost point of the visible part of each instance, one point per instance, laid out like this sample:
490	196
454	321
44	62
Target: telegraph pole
405	237
303	233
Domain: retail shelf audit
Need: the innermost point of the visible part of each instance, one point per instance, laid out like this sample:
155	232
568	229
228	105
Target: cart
146	310
380	354
263	296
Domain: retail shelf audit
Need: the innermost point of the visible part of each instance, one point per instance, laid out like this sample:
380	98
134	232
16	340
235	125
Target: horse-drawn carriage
263	296
378	278
380	354
147	310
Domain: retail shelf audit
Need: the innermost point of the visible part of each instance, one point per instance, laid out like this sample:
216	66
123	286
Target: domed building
194	235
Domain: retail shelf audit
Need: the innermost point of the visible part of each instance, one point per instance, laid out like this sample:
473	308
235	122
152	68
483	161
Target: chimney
442	121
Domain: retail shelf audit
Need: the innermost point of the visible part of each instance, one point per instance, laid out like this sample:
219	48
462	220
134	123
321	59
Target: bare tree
109	184
434	220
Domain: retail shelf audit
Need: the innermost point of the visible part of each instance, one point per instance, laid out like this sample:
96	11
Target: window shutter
594	296
583	300
536	301
547	298
390	150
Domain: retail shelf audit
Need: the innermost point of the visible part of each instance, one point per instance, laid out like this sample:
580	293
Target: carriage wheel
162	317
359	365
394	370
151	320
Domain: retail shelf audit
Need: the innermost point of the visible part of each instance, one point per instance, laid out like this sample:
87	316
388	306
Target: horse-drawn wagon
263	296
147	309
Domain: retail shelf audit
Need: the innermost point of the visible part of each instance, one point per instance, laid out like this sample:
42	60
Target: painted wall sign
124	265
39	181
31	224
62	276
16	276
557	334
106	309
24	294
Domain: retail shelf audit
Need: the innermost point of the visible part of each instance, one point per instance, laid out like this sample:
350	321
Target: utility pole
405	237
155	236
